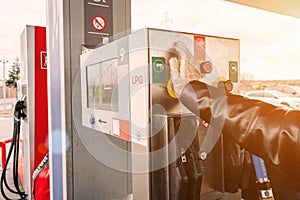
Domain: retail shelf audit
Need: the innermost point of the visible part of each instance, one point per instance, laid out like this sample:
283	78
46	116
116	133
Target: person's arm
263	129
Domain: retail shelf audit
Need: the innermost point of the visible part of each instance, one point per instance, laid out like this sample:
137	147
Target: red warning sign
43	55
199	47
98	23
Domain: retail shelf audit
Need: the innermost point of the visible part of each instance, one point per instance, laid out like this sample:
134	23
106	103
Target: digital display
102	85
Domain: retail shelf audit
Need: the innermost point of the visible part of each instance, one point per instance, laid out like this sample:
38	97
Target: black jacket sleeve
270	132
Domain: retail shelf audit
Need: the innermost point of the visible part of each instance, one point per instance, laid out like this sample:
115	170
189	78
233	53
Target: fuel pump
33	85
169	159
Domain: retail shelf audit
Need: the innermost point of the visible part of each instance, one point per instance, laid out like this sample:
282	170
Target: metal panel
56	91
71	177
28	125
122	20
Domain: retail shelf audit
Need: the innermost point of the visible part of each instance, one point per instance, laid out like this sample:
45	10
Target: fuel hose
14	148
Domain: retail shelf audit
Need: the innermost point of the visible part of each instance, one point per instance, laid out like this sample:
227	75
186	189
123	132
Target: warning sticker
43	56
120	128
98	23
199	47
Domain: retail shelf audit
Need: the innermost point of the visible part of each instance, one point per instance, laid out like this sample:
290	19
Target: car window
278	88
269	95
279	94
288	90
296	89
256	94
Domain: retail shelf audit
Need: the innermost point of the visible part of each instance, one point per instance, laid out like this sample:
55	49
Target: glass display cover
102	85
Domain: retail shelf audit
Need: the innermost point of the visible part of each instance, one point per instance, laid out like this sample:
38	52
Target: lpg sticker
159	70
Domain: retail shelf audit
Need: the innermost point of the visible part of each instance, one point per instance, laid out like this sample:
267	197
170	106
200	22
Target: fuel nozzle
265	190
263	182
19	109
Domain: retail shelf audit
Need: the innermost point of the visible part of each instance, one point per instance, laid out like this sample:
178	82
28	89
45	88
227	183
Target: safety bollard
3	151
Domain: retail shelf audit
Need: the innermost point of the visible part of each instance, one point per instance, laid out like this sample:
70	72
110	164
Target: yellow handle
221	78
170	89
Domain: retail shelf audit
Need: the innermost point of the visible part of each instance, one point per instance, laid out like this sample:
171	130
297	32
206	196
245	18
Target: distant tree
13	75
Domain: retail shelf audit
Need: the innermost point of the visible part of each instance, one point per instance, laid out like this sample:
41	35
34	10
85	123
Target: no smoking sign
98	23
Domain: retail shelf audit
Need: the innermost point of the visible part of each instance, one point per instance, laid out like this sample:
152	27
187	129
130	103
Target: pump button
206	67
228	85
92	119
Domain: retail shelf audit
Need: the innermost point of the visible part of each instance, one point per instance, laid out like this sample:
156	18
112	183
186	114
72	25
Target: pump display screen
102	85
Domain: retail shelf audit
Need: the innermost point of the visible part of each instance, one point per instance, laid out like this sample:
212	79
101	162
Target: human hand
184	68
178	83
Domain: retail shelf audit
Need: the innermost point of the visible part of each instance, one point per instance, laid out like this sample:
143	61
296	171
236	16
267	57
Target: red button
206	67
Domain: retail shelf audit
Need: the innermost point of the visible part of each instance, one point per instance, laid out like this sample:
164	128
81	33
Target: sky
270	44
14	16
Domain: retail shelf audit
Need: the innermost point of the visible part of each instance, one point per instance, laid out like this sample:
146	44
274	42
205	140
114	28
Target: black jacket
267	131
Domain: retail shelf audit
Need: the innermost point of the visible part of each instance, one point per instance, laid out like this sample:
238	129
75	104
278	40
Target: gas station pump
29	143
170	158
33	88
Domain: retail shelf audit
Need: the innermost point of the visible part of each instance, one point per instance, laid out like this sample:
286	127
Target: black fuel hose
14	147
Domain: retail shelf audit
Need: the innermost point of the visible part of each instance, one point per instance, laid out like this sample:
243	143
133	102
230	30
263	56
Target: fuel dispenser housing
33	88
119	84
